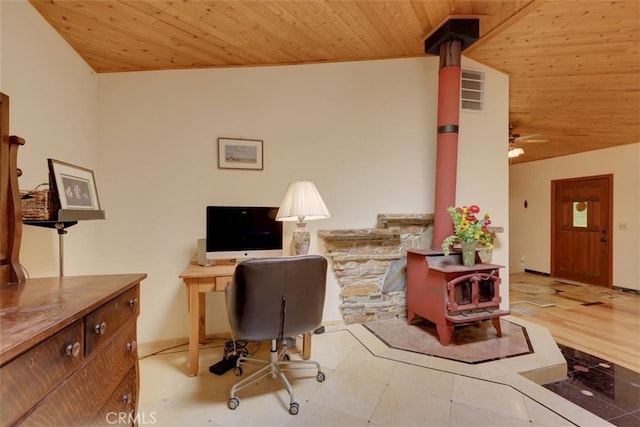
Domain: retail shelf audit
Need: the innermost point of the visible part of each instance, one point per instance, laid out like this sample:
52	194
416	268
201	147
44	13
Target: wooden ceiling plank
507	23
306	36
311	21
422	17
403	23
203	37
364	45
365	30
213	52
332	16
179	36
218	37
170	47
375	13
260	30
348	20
434	12
90	36
284	25
270	36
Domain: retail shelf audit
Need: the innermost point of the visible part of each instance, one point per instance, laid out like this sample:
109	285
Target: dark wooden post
10	204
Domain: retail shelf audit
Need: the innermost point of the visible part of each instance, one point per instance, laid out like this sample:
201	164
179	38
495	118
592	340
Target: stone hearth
370	264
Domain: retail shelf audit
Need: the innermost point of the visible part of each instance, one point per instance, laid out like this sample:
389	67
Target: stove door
473	291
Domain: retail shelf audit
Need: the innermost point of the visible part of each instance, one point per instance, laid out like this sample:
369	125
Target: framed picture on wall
75	186
236	153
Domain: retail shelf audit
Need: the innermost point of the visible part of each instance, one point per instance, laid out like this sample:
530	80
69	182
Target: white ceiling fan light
515	152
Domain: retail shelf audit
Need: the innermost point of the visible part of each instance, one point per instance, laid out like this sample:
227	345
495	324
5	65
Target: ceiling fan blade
536	137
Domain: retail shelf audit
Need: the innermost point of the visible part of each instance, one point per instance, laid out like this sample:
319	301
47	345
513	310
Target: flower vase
469	253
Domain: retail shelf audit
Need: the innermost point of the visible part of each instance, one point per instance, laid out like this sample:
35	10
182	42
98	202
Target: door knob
603	236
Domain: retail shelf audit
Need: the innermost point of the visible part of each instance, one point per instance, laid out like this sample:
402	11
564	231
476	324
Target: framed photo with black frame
76	191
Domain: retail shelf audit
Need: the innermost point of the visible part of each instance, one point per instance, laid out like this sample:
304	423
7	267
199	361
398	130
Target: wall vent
472	90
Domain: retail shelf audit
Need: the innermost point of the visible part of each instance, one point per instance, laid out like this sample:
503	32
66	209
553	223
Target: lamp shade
302	202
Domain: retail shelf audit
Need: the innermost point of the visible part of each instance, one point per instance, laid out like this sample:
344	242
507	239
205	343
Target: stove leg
496	324
410	316
445	332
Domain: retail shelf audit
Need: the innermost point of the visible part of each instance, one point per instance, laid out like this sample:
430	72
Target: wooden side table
199	280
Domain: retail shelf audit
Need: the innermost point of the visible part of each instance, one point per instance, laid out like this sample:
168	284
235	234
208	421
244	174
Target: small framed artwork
75	186
235	153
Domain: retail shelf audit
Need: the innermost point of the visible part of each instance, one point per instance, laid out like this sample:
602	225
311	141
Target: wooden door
581	224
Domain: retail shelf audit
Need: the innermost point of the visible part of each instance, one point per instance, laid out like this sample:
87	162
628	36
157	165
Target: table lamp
302	202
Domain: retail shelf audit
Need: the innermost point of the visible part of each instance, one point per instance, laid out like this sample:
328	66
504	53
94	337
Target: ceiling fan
516	138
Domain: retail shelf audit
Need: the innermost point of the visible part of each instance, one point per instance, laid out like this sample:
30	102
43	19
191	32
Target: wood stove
442	290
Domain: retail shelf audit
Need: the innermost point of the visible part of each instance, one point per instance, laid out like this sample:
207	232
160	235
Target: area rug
473	343
531	289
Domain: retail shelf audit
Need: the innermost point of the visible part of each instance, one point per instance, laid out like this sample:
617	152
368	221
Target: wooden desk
200	280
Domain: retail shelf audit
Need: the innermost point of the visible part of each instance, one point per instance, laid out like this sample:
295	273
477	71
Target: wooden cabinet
68	354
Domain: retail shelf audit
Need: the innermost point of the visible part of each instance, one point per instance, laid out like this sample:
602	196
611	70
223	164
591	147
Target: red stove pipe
447	142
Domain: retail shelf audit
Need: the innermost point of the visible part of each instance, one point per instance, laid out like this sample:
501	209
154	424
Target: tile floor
600	386
367	384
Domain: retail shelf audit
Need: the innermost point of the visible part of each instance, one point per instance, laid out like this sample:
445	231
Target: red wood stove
445	292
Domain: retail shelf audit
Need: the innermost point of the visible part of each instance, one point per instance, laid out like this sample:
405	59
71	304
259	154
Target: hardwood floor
599	321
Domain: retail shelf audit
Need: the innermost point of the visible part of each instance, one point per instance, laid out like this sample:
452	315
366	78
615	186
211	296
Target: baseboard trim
153	347
627	290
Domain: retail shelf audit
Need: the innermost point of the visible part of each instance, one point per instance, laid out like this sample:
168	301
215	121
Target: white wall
531	227
53	102
364	132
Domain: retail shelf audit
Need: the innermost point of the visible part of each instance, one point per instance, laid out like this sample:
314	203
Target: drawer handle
131	346
127	398
133	302
101	328
73	349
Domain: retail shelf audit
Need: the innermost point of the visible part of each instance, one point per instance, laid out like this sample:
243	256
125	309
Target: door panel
581	224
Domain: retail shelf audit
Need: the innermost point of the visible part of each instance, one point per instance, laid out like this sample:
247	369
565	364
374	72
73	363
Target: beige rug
530	289
475	343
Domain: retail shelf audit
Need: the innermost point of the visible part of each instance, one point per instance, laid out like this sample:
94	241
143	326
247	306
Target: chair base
274	367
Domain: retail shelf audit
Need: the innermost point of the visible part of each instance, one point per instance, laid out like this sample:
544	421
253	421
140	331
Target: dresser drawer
103	322
80	398
120	406
29	377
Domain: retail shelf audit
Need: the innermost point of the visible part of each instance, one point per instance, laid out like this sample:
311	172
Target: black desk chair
275	299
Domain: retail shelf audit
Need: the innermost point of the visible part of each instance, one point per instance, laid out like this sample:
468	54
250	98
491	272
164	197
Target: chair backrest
272	298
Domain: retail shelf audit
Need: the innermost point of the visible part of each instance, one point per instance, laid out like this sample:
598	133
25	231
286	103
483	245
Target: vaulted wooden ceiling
574	65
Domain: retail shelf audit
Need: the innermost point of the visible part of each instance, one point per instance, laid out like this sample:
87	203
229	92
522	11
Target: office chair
275	299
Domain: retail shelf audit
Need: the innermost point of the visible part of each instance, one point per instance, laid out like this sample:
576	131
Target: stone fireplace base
370	264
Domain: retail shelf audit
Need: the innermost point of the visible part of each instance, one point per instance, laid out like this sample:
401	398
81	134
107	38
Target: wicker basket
38	204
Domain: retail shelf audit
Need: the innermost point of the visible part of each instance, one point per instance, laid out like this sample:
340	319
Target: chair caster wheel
238	371
320	377
234	402
294	408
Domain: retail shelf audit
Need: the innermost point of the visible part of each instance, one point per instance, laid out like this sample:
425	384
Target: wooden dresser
68	353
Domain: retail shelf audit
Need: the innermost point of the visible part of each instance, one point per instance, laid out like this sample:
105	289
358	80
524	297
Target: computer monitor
236	232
